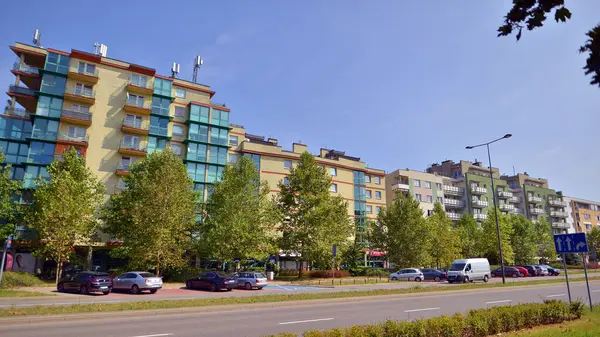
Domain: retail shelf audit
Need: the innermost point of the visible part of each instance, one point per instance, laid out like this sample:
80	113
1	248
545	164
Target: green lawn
21	293
587	326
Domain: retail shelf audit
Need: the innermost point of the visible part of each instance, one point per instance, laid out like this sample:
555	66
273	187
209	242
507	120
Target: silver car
250	280
408	274
137	281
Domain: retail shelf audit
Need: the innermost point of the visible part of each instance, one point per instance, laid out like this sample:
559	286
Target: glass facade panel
360	193
196	172
196	152
219	136
14	129
15	153
31	175
45	129
162	87
199	113
220	117
199	188
360	208
218	155
41	153
49	106
159	126
52	84
138	80
160	106
198	133
156	144
214	173
255	159
359	178
57	63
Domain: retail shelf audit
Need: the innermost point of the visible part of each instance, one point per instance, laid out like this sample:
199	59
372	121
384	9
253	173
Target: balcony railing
79	139
77	115
505	194
479	216
506	207
124	167
142	125
81	92
480	203
160	131
25	68
535	210
133	146
454	190
516	211
21	90
534	199
559	214
514	200
557	202
84	72
453	203
560	224
145	85
401	187
44	135
478	190
453	216
16	112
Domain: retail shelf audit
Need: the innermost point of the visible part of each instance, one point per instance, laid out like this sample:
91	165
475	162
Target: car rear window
145	275
259	275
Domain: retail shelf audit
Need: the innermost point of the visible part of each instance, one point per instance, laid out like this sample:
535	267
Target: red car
522	270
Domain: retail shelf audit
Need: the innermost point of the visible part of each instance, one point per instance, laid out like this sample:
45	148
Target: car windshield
457	267
146	275
259	275
221	274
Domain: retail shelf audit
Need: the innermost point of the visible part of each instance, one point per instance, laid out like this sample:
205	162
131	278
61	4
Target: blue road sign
570	243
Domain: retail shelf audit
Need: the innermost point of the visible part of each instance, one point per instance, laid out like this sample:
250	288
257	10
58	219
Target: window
359	193
333	188
586	216
53	84
233	140
196	172
368	194
126	162
57	63
44	129
14	129
359	178
286	181
160	106
132	142
418	197
597	217
218	155
49	106
198	132
75	132
87	68
156	144
133	121
428	184
162	87
430	198
15	153
360	208
220	117
177	130
377	180
218	136
80	108
588	226
367	178
176	148
135	100
138	80
378	195
159	126
232	158
31	175
255	159
332	171
179	111
287	164
440	200
417	183
41	153
377	209
199	113
369	209
214	173
179	93
196	152
84	90
438	186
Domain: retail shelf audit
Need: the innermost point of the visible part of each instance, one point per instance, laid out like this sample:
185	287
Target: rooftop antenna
198	61
37	38
175	69
96	48
100	49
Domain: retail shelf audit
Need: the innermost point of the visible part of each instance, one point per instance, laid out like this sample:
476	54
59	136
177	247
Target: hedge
312	273
476	323
14	279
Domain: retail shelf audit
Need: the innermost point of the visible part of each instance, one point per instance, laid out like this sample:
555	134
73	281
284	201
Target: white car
137	281
409	274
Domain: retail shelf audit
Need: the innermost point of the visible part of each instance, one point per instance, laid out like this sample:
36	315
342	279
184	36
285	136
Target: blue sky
401	84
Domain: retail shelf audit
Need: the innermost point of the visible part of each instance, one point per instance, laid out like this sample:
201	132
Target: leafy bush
14	279
476	323
288	272
181	274
327	273
369	271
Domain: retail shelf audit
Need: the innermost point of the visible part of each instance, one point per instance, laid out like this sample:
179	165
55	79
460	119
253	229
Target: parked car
430	274
409	274
469	270
444	270
543	270
250	280
551	270
86	282
213	281
508	272
532	270
137	281
523	271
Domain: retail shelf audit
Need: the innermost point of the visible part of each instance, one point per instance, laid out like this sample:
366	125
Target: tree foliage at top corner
532	14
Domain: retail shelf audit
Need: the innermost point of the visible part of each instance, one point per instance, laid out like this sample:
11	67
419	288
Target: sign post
7	244
334	253
573	243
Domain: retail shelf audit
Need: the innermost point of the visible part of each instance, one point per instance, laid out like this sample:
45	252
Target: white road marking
307	321
557	295
425	309
595	291
157	335
494	302
285	288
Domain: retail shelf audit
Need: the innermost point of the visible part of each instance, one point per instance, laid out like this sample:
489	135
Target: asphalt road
256	321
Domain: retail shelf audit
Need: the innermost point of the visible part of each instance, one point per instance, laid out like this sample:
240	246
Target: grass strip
21	293
204	302
587	326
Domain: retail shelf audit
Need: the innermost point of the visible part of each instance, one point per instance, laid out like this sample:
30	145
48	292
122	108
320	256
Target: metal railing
559	214
506	207
453	202
21	90
453	216
133	146
81	139
557	202
505	194
536	211
560	224
478	190
479	216
401	186
44	135
77	115
533	198
480	203
514	200
84	72
146	85
142	125
448	189
124	167
25	68
16	112
81	92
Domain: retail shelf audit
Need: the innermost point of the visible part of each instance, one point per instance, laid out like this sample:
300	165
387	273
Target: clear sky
400	84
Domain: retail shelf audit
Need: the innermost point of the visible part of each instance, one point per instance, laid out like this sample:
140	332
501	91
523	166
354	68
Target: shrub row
476	323
285	273
13	279
368	271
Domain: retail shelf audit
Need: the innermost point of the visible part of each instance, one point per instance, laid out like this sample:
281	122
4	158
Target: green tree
239	217
155	214
445	244
470	234
532	14
489	238
312	219
64	208
544	239
523	239
593	240
9	204
403	233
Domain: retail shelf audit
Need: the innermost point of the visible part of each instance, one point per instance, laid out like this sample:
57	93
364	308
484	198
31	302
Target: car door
197	281
206	280
119	281
72	283
241	279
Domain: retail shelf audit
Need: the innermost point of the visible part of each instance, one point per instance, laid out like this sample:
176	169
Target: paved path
259	320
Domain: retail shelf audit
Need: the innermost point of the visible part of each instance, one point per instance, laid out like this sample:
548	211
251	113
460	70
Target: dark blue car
431	274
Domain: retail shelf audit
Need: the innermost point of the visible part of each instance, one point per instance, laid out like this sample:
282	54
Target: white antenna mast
175	69
197	63
37	38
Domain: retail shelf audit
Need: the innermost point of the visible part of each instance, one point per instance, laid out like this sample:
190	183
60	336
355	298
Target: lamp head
469	147
508	135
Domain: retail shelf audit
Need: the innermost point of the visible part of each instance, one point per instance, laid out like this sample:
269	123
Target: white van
469	270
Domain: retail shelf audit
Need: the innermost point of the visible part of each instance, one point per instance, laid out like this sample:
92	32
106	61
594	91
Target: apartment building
426	188
583	215
362	187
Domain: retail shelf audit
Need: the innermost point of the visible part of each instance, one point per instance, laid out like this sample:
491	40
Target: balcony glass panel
41	153
160	106
162	87
199	113
14	129
196	152
52	84
220	117
57	63
49	106
14	153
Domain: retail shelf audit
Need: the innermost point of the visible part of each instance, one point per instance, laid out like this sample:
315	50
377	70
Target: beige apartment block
424	187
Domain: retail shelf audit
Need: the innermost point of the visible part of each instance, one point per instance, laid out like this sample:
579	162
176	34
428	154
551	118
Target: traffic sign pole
566	276
583	257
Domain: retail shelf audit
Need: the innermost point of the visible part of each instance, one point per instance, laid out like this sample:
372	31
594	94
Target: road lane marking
307	321
595	291
157	335
557	295
494	302
424	309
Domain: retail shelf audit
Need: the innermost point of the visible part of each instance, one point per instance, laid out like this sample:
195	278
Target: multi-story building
583	215
426	188
362	187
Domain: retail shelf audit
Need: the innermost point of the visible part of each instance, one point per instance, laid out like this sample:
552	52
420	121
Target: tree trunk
300	268
59	266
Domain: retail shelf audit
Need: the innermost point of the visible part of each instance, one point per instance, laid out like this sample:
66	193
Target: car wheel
394	278
521	275
260	288
514	275
248	286
106	292
229	289
83	290
466	280
450	282
153	291
213	288
437	279
60	287
418	279
485	278
188	285
135	289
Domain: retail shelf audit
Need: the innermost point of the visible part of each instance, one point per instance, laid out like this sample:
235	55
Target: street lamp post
487	145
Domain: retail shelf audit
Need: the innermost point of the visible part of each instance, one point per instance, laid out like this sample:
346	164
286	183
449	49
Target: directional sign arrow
559	243
568	241
580	245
